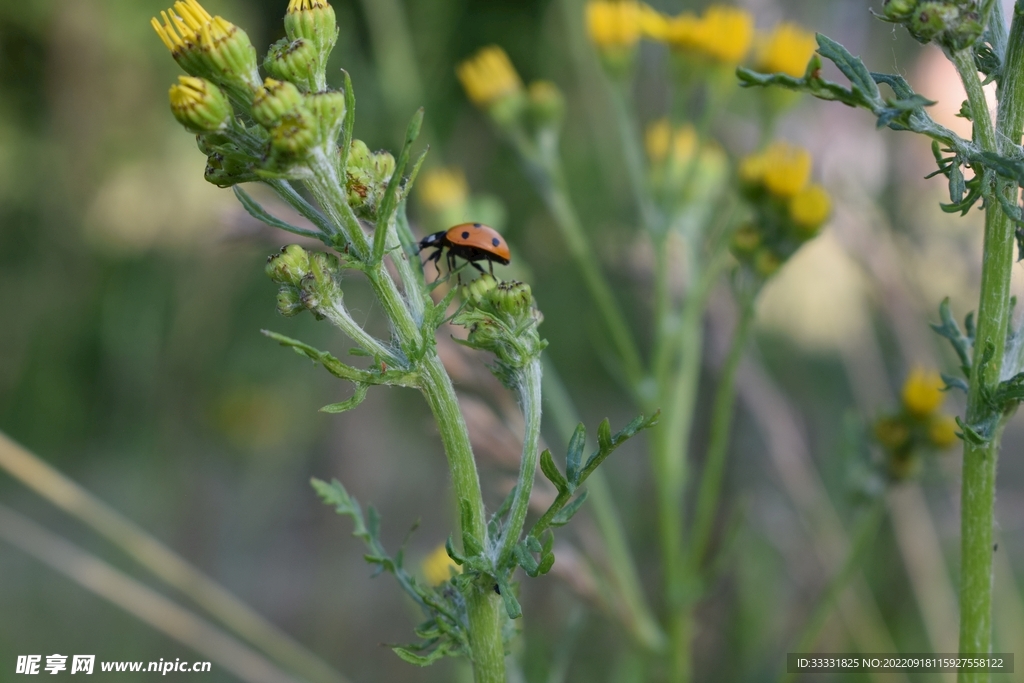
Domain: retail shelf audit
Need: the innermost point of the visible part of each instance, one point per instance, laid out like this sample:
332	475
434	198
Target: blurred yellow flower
441	188
488	76
787	49
787	168
437	567
724	33
613	24
942	431
809	208
892	433
922	392
659	139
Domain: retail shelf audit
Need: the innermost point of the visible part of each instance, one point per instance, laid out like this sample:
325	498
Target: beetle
470	241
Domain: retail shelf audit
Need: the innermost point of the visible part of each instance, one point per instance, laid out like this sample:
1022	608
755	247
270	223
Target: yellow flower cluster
660	139
489	77
723	34
786	49
438	567
783	169
919	424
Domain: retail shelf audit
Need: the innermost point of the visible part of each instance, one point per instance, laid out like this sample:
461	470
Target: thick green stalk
529	391
979	465
483	606
710	487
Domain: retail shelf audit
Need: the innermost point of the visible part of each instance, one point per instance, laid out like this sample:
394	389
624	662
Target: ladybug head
433	240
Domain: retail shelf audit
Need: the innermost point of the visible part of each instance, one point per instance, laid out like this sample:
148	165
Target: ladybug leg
490	266
477	266
436	258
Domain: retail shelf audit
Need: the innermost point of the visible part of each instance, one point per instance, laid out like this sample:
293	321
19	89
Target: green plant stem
164	563
633	155
530	401
637	615
979	464
866	531
710	487
483	606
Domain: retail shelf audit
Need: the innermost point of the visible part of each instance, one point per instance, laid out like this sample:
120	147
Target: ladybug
470	241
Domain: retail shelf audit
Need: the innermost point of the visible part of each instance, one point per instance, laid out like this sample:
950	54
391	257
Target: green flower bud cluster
313	22
366	178
953	24
788	209
501	318
919	426
307	280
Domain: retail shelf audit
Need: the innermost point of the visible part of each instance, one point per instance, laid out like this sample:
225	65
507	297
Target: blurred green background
131	359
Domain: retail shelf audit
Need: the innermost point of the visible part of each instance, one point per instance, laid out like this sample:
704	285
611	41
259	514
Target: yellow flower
613	24
437	567
787	49
199	105
728	32
891	433
488	77
724	33
922	392
208	46
659	139
809	208
441	188
942	431
786	170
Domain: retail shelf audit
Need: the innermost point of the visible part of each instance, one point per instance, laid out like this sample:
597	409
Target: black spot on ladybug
476	225
465	235
495	241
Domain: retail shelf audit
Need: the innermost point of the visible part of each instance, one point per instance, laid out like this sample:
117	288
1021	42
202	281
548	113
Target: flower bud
546	104
199	105
922	392
942	431
273	100
512	297
289	302
892	433
478	290
808	210
328	109
897	10
745	241
225	170
766	262
367	177
931	19
492	83
289	266
314	21
294	61
293	136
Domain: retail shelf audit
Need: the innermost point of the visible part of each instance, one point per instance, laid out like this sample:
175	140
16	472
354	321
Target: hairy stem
530	400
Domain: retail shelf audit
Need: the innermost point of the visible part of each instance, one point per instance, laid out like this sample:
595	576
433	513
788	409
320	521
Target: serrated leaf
550	470
358	397
566	513
851	67
953	382
574	455
344	504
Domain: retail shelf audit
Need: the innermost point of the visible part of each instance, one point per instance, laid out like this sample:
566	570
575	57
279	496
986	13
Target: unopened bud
294	61
273	100
477	290
547	104
930	19
293	136
367	177
314	21
289	302
512	297
199	105
289	266
897	10
225	170
328	109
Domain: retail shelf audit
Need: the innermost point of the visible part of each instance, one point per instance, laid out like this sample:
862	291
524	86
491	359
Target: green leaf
420	660
348	125
566	513
951	331
351	403
574	455
852	67
604	435
391	195
526	560
550	470
254	209
512	607
969	434
344	504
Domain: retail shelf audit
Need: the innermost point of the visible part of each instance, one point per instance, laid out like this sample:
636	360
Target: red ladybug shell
479	236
